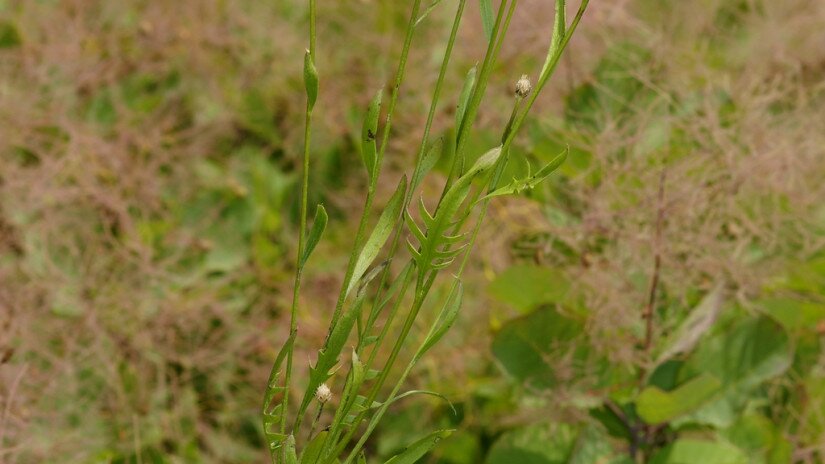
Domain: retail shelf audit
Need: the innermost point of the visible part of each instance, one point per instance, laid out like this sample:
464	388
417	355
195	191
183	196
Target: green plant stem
362	225
359	237
302	225
490	57
442	73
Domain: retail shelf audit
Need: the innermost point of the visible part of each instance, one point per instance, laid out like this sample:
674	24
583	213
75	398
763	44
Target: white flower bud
523	86
323	393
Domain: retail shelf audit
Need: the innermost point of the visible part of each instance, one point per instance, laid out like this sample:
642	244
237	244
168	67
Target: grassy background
148	200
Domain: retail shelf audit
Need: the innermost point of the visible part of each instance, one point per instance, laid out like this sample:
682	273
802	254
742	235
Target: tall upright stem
302	225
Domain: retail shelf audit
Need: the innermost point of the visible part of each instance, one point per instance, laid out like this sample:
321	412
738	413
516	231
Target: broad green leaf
318	226
531	181
379	235
369	133
593	447
534	444
742	358
696	325
793	313
310	80
429	160
693	451
761	438
656	406
487	20
526	287
446	319
417	450
464	98
525	347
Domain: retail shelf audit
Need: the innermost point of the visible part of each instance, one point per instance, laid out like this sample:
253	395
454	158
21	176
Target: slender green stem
362	225
416	171
302	225
490	58
359	236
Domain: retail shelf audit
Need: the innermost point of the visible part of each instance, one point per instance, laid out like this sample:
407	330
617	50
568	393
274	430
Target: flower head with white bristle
523	86
323	393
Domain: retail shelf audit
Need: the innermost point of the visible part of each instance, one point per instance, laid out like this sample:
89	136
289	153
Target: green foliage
525	345
310	80
417	450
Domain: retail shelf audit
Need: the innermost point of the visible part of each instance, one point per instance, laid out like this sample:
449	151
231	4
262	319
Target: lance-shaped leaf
291	455
446	319
487	18
531	181
426	12
318	226
415	392
417	450
464	99
310	80
379	235
559	29
271	414
312	452
369	133
429	161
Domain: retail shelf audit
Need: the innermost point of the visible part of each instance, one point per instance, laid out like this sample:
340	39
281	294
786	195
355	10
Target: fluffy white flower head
323	393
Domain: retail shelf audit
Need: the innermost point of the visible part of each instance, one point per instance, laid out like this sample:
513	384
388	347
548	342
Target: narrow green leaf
379	235
417	450
369	133
310	80
429	160
318	226
527	183
362	459
559	30
446	319
291	456
271	414
312	452
695	326
656	406
426	12
487	18
418	392
464	98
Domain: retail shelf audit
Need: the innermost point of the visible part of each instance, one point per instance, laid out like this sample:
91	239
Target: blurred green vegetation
148	158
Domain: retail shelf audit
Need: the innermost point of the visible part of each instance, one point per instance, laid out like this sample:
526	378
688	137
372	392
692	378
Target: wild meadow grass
431	242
